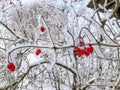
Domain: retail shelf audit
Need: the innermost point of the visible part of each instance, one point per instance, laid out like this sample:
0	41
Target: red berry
87	53
38	51
82	51
90	49
79	54
42	29
90	45
81	42
11	67
77	49
62	42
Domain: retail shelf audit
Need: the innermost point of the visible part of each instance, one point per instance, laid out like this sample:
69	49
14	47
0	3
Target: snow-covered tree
59	45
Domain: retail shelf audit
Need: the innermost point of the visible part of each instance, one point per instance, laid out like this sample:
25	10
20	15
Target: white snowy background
76	15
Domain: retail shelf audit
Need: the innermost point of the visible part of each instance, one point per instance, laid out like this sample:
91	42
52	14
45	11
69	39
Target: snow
33	59
60	57
26	2
53	61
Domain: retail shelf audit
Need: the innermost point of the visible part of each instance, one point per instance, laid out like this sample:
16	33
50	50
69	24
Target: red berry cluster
84	51
38	51
11	67
42	28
